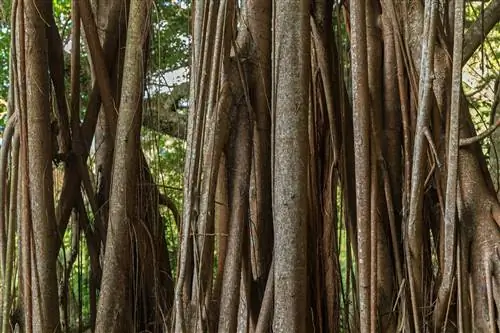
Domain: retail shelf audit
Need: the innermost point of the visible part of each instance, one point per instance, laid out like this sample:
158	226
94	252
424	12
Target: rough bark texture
476	205
300	213
361	122
290	107
115	311
239	184
44	250
259	15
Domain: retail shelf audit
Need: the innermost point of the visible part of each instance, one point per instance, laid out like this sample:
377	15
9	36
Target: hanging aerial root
4	158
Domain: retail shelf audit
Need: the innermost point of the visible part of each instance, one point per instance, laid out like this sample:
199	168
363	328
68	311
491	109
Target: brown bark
449	231
325	119
106	24
415	226
45	247
208	126
56	67
258	14
390	267
290	107
72	178
239	158
476	205
114	310
480	28
8	274
361	122
25	217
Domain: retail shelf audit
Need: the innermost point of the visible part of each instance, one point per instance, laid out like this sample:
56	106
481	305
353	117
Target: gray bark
290	201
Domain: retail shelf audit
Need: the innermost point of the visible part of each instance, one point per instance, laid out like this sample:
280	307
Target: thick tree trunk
45	234
290	202
115	310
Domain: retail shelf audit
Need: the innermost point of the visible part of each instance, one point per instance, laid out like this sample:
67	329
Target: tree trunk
115	310
45	234
290	202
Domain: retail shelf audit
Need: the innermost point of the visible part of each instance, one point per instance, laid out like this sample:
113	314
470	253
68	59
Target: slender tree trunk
259	14
361	121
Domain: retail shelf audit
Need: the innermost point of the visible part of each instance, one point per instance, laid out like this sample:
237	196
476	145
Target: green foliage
166	160
480	74
62	16
78	286
3	114
170	38
170	49
4	59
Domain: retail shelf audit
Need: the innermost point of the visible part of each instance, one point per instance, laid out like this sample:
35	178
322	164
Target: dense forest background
249	166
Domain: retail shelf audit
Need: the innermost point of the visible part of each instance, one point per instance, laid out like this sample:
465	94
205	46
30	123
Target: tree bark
115	310
361	122
45	235
290	108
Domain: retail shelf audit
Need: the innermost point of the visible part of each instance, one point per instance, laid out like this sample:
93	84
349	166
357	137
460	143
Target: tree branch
475	34
491	129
